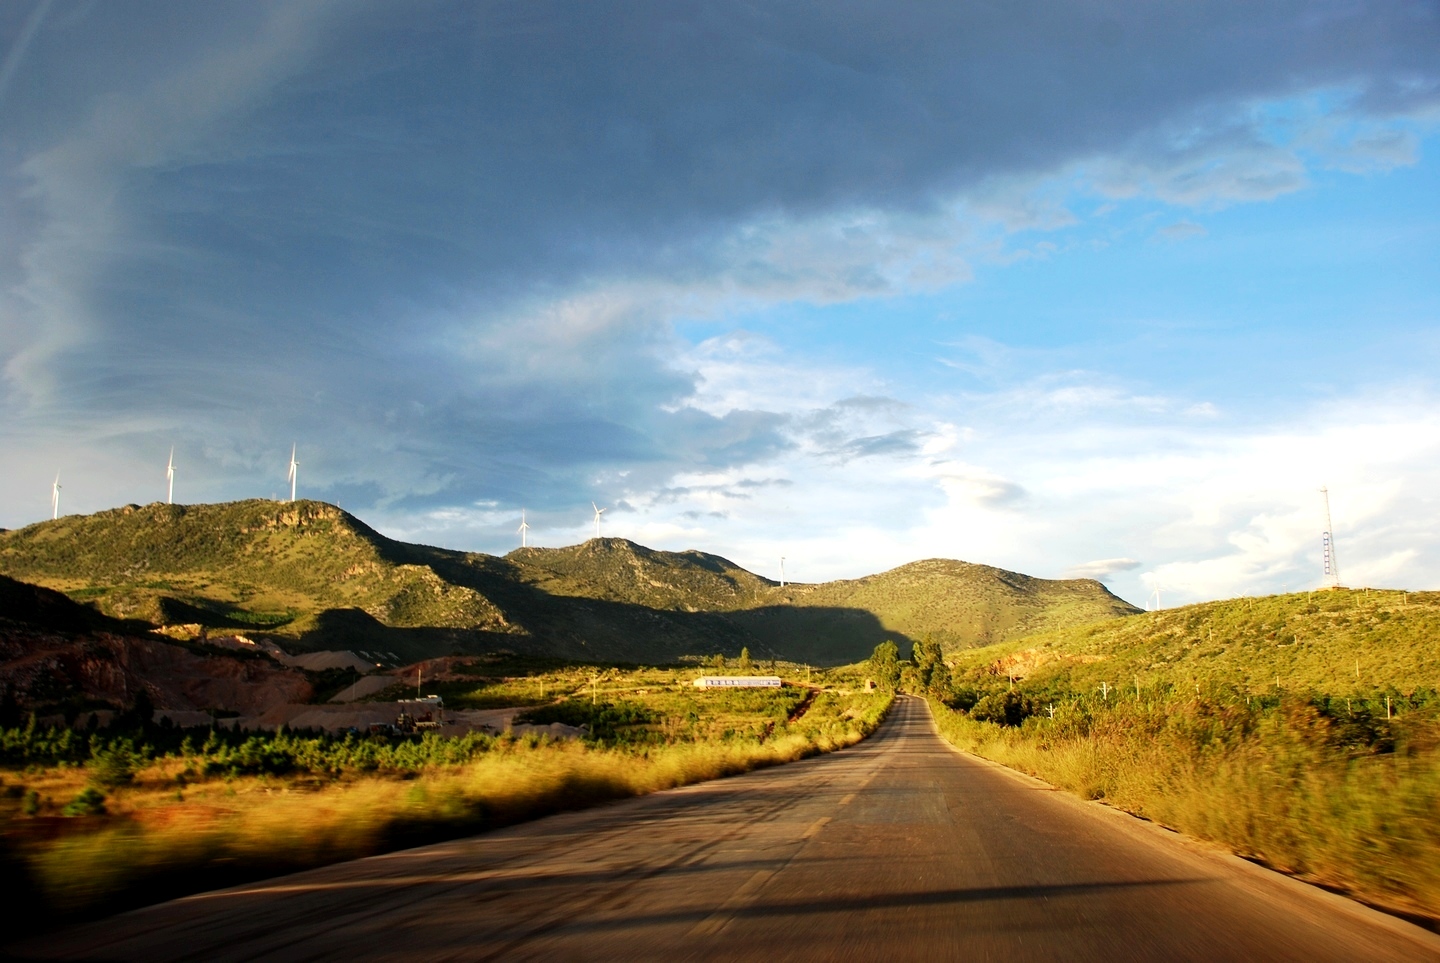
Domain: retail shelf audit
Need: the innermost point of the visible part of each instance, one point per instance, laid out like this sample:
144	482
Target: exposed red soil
40	667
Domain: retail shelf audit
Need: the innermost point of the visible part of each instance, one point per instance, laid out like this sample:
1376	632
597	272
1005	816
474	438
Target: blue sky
1068	288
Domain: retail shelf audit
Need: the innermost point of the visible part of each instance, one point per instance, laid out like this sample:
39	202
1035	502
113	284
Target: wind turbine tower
170	478
1327	545
782	571
55	498
293	472
523	529
598	512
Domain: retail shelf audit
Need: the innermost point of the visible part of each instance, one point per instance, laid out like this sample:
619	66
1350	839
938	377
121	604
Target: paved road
899	848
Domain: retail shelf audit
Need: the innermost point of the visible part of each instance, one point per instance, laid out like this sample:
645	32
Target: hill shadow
578	627
822	634
217	615
589	629
352	628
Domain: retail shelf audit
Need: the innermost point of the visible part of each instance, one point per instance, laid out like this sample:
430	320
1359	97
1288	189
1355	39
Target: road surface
900	848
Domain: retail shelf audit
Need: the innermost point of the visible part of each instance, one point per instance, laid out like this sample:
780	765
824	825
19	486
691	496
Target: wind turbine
598	512
55	498
1154	595
782	571
170	478
293	473
523	529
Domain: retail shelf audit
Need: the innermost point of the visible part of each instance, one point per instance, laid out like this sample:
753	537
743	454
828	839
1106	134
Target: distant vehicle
427	712
738	682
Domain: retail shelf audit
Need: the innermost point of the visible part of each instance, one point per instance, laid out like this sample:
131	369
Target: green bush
1009	708
90	802
605	720
115	765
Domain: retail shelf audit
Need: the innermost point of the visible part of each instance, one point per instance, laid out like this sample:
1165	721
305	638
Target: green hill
1335	642
253	565
312	576
958	604
622	571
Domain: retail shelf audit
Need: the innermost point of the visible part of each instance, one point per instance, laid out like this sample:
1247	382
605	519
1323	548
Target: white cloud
1101	569
1181	231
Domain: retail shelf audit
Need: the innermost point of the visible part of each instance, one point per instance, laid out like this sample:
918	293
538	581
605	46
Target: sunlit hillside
620	570
1347	640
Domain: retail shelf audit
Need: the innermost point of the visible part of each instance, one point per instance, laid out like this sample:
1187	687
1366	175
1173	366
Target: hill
620	570
958	604
60	657
1335	642
312	576
305	571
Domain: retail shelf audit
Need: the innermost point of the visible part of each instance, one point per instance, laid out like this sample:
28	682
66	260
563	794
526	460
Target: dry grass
161	838
1273	785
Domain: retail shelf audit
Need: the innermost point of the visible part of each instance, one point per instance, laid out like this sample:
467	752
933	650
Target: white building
738	682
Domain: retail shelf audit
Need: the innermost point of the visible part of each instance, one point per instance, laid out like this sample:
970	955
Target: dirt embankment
40	668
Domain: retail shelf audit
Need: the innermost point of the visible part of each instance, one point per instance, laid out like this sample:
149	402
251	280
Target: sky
1100	289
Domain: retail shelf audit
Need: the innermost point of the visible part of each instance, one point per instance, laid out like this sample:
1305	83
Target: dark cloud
388	230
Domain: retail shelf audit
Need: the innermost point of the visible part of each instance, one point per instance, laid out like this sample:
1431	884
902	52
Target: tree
140	714
885	664
10	715
718	663
931	673
745	663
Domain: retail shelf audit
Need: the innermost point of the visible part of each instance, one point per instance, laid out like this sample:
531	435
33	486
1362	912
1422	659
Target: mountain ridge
310	575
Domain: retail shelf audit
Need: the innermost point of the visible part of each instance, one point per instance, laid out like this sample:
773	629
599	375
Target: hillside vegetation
1347	642
312	577
1302	730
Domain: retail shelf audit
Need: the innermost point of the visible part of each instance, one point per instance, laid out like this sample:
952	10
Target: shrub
90	802
1009	708
114	766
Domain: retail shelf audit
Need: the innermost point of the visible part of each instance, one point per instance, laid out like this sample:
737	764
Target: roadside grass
227	810
1332	775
